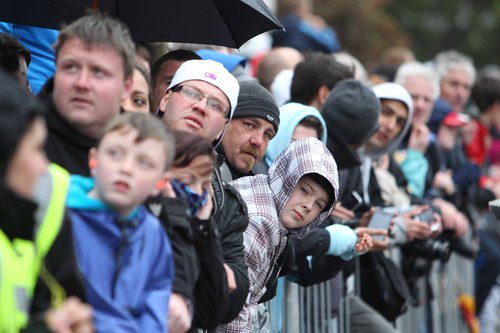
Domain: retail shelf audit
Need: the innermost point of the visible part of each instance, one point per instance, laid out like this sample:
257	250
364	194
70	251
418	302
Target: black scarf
17	215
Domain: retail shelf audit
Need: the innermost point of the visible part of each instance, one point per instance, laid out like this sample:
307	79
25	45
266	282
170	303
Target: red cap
454	119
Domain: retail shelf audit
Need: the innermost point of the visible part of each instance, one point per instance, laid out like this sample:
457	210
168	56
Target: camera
440	248
459	245
429	249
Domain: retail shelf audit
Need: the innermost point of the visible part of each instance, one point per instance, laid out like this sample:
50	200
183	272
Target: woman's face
197	175
29	161
138	101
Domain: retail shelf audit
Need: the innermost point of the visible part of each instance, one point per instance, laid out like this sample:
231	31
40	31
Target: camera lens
428	249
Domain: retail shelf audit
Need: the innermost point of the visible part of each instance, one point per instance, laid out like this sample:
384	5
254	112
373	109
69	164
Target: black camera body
428	248
440	248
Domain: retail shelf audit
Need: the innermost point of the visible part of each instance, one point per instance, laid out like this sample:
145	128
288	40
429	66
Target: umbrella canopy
219	22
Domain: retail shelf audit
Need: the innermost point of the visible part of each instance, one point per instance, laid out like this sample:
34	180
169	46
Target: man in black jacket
201	99
94	66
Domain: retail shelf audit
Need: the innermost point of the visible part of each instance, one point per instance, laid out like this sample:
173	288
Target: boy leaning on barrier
298	193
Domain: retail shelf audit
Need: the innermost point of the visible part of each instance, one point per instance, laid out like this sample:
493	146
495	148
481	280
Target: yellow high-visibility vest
21	260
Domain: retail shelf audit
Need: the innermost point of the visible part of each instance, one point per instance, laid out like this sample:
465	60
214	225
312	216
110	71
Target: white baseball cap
211	72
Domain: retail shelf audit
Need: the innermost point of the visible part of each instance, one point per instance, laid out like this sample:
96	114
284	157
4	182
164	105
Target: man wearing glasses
201	100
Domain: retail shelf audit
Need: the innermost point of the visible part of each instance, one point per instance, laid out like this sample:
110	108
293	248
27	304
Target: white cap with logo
211	72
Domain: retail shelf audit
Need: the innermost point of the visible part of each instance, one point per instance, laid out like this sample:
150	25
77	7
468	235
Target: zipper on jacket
119	254
270	271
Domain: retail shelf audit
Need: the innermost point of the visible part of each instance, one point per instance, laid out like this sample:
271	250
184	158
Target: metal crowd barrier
312	309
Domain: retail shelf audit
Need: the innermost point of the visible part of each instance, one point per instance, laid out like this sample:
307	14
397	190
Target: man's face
126	171
422	92
89	85
456	88
391	121
182	113
162	81
245	141
307	201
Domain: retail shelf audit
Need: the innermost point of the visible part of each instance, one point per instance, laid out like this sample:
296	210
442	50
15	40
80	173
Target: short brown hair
99	29
314	123
188	147
148	126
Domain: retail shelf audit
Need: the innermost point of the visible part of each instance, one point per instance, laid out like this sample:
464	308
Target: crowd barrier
314	310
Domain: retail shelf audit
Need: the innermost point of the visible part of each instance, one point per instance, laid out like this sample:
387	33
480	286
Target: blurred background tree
367	27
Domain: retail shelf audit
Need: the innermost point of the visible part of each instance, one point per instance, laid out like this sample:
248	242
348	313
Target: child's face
197	175
302	132
307	201
127	171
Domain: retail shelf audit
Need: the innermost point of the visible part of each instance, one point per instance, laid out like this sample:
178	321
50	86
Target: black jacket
322	267
65	145
231	220
200	250
17	215
173	215
344	155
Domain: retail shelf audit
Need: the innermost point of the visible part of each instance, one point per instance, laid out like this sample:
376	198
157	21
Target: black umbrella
219	22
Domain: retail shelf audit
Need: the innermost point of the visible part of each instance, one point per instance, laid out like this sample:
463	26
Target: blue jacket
291	114
127	263
305	37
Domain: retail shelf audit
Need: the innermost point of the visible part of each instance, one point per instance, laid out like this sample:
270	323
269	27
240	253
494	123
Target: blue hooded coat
127	263
291	114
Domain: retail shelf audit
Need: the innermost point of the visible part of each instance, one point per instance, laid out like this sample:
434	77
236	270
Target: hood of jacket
78	197
392	91
266	195
291	114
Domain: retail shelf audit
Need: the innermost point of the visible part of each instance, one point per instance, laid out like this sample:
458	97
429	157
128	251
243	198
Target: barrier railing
314	309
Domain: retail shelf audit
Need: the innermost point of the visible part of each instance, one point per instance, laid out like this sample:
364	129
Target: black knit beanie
255	101
352	110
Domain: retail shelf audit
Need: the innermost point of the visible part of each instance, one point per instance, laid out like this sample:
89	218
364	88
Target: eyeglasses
195	96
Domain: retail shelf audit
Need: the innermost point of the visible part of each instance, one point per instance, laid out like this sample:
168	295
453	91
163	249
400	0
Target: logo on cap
210	76
269	117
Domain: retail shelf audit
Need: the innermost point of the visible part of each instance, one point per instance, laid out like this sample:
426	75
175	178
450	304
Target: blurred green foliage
367	27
